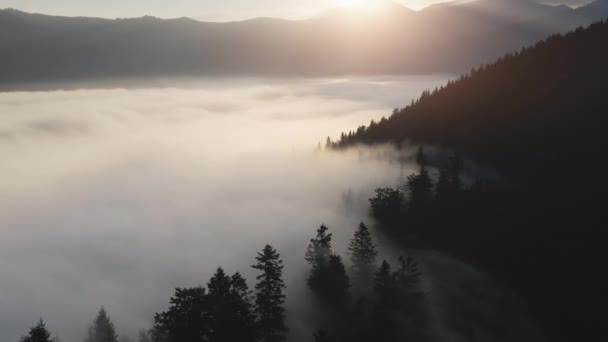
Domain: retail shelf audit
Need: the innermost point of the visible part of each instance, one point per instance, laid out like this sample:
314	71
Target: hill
446	38
537	115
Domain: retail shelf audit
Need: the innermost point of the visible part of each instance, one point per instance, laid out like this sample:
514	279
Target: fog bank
114	197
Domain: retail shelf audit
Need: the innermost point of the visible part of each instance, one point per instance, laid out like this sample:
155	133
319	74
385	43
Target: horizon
227	11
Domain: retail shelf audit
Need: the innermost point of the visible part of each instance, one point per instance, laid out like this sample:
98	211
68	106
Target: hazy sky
199	9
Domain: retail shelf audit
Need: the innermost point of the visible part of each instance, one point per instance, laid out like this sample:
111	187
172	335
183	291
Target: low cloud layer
115	197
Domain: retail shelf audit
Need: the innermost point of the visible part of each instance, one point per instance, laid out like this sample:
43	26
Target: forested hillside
539	118
538	114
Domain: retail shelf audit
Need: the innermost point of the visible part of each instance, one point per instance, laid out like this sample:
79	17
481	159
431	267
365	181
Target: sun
361	4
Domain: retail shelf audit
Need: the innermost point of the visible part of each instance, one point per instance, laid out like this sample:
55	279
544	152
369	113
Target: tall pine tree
38	333
230	308
363	255
319	248
420	187
269	296
102	329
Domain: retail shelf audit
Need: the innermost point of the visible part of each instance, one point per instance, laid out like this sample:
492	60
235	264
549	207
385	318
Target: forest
369	301
538	118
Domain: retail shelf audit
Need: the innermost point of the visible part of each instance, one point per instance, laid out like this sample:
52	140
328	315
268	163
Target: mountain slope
440	39
538	115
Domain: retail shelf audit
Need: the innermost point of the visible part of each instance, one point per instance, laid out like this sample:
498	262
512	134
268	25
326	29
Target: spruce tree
102	329
336	283
412	299
317	255
319	248
187	318
363	254
269	296
387	295
38	333
420	186
449	183
387	207
230	308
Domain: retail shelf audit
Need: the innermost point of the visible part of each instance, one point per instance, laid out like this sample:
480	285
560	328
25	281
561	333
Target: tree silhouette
420	186
386	290
38	333
317	255
319	248
186	319
363	255
335	284
269	296
102	329
449	183
230	308
387	207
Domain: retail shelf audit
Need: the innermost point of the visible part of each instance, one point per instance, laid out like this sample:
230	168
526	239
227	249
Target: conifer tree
363	254
319	248
336	283
230	309
102	329
420	186
317	255
387	295
38	333
187	318
269	296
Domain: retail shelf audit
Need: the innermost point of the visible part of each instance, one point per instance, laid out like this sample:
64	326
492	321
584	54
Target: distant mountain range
444	38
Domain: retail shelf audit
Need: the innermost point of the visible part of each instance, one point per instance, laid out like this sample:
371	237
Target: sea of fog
115	197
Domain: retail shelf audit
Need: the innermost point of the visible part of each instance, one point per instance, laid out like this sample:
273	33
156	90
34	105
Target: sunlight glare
361	4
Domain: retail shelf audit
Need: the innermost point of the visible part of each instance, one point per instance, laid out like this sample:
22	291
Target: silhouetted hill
393	39
538	115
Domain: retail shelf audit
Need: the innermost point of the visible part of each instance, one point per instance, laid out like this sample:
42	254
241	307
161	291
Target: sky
211	10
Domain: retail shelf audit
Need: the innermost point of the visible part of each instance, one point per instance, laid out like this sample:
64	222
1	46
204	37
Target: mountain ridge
38	48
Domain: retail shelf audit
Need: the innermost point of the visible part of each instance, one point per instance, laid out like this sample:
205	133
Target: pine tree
317	255
387	207
319	248
230	308
242	307
102	329
420	186
187	318
387	295
411	297
385	285
269	296
38	333
449	183
336	283
363	254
